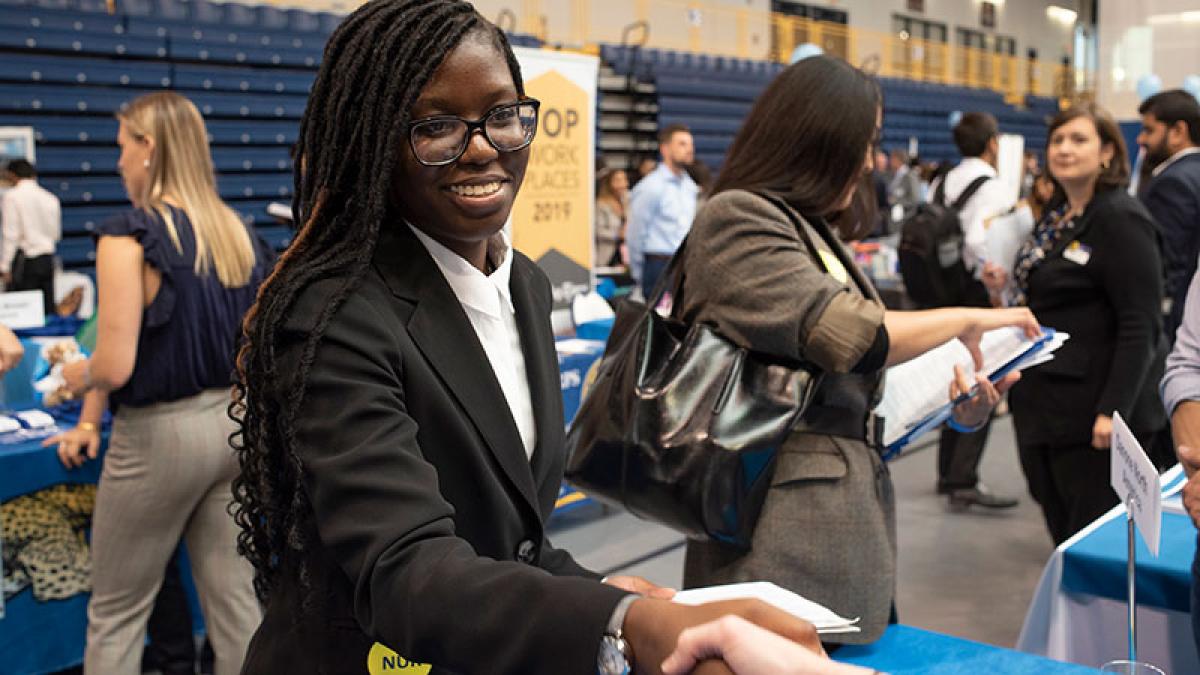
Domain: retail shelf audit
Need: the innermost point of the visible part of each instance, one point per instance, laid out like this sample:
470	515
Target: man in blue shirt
661	208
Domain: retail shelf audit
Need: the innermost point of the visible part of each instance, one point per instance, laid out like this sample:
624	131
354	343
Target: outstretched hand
981	321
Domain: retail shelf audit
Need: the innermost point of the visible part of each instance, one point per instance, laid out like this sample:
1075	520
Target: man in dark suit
1170	136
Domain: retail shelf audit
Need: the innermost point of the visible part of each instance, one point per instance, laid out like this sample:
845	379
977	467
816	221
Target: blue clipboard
938	417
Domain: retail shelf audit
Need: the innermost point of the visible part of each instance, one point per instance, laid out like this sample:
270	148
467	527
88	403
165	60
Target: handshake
742	637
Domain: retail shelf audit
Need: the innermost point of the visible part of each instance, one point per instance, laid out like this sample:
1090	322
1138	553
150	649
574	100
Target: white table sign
1136	482
22	309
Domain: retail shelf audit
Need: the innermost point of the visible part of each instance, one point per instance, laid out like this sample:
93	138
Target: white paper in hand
1135	481
819	616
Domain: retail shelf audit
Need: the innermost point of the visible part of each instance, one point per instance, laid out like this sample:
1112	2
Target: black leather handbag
681	425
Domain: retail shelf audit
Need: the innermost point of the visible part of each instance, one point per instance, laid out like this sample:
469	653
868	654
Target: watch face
612	660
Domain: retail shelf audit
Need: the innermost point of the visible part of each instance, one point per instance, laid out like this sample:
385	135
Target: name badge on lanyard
1078	253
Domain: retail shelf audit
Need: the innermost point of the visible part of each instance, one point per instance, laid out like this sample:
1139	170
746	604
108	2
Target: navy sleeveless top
190	330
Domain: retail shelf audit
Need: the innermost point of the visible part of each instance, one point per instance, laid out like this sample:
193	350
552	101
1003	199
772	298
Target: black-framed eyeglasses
441	140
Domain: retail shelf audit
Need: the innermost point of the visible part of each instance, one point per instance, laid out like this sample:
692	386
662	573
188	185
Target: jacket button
526	552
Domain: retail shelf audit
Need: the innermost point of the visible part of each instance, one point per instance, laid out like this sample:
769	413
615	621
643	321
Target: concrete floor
967	574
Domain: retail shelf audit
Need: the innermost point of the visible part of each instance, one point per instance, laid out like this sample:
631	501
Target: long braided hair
355	124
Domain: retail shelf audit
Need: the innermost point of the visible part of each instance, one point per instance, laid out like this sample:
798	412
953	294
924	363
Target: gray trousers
167	475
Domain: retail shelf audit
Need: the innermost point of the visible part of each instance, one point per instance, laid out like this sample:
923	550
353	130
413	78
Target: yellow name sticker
836	270
384	661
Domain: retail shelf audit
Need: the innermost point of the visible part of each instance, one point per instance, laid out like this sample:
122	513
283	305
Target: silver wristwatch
616	656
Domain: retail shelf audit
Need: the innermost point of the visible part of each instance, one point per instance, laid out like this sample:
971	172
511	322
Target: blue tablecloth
574	364
576	358
1079	612
904	649
39	636
1096	564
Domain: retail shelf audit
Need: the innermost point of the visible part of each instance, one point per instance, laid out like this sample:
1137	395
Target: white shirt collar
977	165
473	288
1174	158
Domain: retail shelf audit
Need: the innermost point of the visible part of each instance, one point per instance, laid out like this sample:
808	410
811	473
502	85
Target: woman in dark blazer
1092	268
827	529
401	420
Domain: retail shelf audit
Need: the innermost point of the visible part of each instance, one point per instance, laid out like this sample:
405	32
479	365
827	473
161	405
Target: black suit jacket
1173	198
1110	304
429	520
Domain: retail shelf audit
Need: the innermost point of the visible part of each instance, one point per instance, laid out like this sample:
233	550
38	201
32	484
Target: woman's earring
1105	163
146	164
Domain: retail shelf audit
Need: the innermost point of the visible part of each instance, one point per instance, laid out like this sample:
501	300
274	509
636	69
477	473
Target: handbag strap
801	227
668	275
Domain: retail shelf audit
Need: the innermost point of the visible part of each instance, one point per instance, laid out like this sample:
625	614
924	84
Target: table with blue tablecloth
1079	612
45	577
904	650
45	513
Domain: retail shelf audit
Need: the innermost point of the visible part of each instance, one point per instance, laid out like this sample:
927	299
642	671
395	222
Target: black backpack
931	243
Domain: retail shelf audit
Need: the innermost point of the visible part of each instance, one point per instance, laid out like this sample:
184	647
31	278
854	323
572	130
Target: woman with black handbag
765	267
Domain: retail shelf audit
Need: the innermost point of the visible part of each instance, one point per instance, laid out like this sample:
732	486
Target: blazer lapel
541	364
443	333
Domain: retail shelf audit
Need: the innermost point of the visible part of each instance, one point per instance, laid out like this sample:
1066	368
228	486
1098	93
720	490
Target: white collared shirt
1174	158
32	220
487	302
990	200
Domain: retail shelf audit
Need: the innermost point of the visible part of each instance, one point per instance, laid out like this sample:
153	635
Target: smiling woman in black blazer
401	422
1092	269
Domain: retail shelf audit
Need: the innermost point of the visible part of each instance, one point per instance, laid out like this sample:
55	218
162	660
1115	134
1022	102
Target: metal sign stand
1132	575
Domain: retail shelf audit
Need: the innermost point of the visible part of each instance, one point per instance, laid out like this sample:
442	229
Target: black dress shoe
963	498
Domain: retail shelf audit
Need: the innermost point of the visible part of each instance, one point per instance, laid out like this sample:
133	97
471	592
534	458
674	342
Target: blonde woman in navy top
175	274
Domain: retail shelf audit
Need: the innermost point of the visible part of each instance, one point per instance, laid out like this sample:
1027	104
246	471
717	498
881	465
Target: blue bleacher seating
103	160
256	132
330	21
48	40
76	129
262	56
77	251
33	99
77	160
83	220
713	94
237	14
272	18
70	66
92	6
225	78
239	105
93	71
135	7
172	9
86	190
303	21
108	189
205	12
278	237
31	17
223	34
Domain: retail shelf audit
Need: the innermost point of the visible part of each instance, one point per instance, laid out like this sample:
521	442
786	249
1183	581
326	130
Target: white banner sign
1136	482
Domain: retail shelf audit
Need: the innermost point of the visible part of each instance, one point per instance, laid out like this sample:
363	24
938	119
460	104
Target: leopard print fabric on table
45	545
